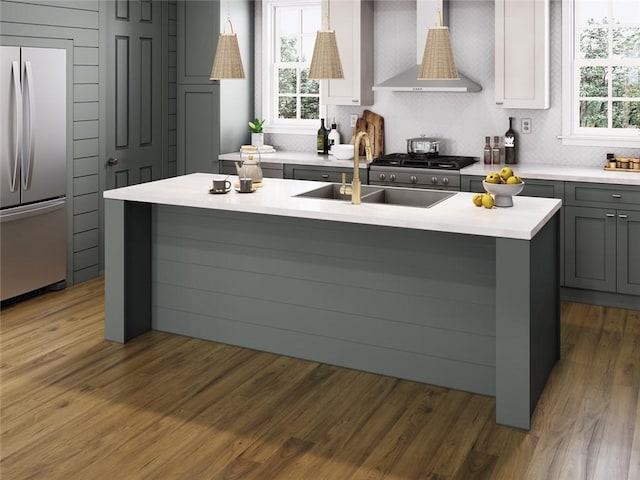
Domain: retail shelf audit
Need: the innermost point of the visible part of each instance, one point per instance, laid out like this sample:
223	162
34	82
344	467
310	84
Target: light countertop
560	172
456	214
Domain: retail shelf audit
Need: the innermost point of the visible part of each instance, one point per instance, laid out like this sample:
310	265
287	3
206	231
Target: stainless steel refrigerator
33	159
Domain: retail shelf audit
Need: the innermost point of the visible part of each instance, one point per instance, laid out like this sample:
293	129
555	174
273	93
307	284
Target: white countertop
297	158
456	214
559	172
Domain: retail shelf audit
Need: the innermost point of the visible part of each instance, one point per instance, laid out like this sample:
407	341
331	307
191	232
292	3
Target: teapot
250	168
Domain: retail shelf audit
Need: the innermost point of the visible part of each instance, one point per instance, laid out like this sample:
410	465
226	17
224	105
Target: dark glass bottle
510	145
322	139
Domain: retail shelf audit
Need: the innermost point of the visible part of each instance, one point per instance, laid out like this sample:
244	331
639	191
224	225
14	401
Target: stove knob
414	179
382	176
392	177
445	180
434	180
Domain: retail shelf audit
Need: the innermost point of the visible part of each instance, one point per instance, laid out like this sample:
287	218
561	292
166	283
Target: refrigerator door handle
26	211
31	141
17	92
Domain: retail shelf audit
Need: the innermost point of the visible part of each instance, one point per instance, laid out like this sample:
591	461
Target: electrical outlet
354	119
526	125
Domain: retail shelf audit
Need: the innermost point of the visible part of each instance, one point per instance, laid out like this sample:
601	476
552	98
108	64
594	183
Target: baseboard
606	299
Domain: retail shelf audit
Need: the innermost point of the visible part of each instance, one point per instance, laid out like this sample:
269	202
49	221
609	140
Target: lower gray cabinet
602	237
323	174
269	170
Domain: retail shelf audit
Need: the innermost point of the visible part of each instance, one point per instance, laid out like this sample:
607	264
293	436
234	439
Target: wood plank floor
166	407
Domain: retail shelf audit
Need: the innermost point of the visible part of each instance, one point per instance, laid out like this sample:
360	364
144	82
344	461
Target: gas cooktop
423	160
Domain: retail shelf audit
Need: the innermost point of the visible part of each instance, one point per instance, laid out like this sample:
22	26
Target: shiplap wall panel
85	93
86	74
85	185
86	111
86	166
172	168
316	290
85	221
82	37
18	12
85	240
86	56
91	5
88	129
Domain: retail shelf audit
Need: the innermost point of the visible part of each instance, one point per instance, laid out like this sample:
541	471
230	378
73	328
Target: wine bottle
322	139
510	145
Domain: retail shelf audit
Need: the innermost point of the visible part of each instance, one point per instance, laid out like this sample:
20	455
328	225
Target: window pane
591	12
287	80
593	114
593	43
306	85
626	114
287	107
308	42
593	82
288	49
289	21
310	20
310	107
627	11
626	82
626	42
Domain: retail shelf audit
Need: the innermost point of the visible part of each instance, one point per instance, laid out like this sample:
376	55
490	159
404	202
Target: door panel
629	252
134	101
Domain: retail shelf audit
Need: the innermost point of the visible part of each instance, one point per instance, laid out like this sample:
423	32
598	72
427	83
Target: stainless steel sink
408	197
332	192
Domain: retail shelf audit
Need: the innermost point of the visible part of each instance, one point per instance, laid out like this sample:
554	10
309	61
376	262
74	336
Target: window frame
269	81
572	133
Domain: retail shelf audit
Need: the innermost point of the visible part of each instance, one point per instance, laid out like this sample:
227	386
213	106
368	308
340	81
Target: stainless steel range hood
407	81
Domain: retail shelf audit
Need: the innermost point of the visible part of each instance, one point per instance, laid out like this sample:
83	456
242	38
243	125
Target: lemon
492	178
506	172
487	200
477	199
513	180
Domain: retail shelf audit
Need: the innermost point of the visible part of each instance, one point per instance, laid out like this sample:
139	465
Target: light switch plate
354	119
526	125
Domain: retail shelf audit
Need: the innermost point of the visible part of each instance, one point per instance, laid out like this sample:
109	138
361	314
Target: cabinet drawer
605	196
532	188
321	174
269	170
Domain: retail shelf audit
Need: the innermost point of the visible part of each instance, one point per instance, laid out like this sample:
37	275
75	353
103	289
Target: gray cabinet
269	170
602	237
212	115
323	174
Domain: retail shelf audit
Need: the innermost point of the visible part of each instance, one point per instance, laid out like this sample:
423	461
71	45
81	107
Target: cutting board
373	124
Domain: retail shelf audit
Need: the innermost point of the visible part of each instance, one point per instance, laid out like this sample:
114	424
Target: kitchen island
451	295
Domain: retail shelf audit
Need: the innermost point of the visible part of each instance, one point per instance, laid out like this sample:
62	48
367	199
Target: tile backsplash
459	120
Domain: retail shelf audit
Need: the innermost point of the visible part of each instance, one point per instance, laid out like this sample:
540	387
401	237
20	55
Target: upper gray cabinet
198	29
522	53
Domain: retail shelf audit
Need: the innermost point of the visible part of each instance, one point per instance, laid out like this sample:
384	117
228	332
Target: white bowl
503	192
342	151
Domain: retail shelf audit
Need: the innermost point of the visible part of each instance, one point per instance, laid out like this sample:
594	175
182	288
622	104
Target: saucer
253	189
219	192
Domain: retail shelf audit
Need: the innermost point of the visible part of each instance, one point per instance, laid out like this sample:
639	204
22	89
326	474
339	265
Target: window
601	72
291	101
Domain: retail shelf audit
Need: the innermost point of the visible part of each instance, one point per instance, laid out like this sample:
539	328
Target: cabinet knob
610	215
325	175
622	216
616	195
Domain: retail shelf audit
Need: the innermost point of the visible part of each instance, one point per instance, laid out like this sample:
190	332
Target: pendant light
227	63
325	61
437	60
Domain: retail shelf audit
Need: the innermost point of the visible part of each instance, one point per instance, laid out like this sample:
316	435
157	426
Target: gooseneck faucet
355	183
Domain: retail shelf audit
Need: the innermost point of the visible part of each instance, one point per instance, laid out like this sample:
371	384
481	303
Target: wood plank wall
172	165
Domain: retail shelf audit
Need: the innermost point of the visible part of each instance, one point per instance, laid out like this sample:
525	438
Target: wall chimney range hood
407	81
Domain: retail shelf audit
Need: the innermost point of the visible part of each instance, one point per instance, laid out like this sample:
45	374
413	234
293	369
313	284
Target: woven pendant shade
227	62
325	62
437	60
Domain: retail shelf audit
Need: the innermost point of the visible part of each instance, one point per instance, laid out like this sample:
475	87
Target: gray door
134	87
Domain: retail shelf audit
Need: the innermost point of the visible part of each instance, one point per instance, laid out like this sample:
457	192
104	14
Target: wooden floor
166	407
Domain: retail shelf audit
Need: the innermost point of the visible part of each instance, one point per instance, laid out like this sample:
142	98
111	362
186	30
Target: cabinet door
198	27
628	240
522	53
352	21
590	248
322	174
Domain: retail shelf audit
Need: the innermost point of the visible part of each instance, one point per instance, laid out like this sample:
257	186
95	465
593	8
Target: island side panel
407	303
127	269
527	322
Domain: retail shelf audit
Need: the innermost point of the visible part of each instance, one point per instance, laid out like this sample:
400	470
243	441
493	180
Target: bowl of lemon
503	186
